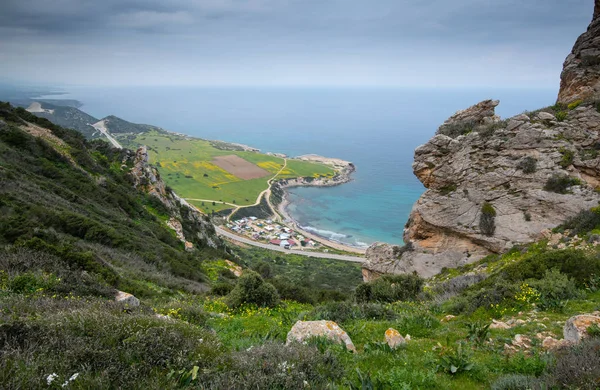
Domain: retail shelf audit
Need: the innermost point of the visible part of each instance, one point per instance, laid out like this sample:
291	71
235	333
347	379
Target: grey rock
546	116
127	299
575	328
303	330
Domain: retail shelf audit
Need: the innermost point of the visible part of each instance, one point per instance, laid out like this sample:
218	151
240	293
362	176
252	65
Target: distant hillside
101	211
64	116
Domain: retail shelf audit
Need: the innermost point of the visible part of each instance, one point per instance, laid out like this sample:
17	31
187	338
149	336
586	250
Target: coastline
282	211
345	170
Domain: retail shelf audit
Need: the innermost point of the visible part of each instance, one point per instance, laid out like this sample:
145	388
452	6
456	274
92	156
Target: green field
186	165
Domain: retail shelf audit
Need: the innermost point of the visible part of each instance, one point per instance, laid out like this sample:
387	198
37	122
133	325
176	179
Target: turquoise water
377	129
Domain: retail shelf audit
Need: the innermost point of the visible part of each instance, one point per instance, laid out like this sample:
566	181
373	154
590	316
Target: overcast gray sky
290	42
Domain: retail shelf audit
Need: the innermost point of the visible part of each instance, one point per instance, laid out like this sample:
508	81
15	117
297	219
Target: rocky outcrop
493	184
304	330
191	226
506	166
575	328
580	79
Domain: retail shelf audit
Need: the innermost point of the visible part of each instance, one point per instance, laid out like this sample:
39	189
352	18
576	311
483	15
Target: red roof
275	242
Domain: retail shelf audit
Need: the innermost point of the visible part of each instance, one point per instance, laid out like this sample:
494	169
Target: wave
325	233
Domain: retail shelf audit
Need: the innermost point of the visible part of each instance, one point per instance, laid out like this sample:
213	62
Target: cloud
383	42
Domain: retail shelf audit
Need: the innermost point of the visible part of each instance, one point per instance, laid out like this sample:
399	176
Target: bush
575	264
341	312
561	116
276	366
487	219
584	222
251	288
554	288
455	286
292	291
560	183
390	288
527	165
221	289
515	382
458	128
567	157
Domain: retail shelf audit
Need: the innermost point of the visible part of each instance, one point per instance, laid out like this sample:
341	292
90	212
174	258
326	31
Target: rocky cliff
492	183
580	79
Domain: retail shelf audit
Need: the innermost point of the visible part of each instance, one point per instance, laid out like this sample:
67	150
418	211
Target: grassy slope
183	162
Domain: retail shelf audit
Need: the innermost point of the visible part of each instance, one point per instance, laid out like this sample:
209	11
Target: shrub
578	368
554	288
527	164
448	188
561	116
341	312
458	128
276	366
593	330
575	264
560	183
584	222
455	286
221	289
487	219
251	288
575	104
515	382
567	157
292	291
390	288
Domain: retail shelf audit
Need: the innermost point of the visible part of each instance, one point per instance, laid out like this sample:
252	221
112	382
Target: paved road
244	240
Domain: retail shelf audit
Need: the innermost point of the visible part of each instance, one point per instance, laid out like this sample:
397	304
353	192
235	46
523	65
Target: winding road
320	255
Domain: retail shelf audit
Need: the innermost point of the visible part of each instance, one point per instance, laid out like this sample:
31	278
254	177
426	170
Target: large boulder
394	339
303	330
575	328
127	299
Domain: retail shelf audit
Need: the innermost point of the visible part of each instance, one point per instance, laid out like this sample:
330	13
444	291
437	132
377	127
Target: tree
251	288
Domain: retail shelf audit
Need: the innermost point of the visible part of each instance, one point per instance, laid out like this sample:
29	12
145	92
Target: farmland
194	168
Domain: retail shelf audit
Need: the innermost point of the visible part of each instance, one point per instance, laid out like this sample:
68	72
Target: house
284	236
269	228
252	218
275	242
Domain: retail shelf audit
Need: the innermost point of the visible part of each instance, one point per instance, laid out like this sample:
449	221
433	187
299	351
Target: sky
345	43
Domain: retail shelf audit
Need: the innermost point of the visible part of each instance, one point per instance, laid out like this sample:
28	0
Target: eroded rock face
303	330
488	181
580	78
507	165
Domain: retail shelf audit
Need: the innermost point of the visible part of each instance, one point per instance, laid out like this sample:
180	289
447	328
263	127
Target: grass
186	165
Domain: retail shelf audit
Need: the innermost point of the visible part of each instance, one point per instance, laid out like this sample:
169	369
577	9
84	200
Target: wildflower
51	378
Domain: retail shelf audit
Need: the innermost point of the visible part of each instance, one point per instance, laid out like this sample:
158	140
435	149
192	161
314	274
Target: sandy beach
288	220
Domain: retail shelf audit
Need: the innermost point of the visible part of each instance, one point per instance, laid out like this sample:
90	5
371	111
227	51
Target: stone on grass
127	299
304	330
575	328
499	325
393	338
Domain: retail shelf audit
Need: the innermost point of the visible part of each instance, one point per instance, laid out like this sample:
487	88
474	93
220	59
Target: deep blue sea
377	129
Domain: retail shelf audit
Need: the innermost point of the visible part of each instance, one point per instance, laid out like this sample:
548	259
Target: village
271	232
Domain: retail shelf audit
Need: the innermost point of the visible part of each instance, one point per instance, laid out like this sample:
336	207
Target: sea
377	129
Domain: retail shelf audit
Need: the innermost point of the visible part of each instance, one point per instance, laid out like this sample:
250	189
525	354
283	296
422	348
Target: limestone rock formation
493	184
303	330
394	339
575	328
127	299
580	79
